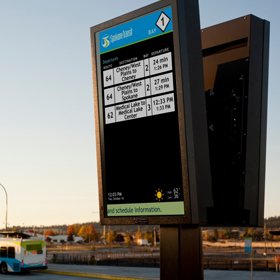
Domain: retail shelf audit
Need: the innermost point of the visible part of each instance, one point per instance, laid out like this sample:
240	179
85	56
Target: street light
6	203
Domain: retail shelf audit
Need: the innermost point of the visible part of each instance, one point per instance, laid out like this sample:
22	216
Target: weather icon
159	194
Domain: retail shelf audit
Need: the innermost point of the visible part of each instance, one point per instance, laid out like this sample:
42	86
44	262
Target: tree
50	232
128	239
207	236
82	231
70	230
111	236
216	234
245	234
224	234
255	234
276	237
74	229
149	236
91	233
16	229
235	234
157	235
48	239
269	236
88	233
70	237
119	237
138	235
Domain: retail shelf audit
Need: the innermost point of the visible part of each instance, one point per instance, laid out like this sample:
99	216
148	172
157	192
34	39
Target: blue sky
47	142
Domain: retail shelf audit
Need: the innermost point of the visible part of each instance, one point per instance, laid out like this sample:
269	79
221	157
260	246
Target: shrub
92	260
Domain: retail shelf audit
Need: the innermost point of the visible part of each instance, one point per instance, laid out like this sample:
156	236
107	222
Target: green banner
146	209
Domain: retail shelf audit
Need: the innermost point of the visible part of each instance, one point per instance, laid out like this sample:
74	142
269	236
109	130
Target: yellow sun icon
159	194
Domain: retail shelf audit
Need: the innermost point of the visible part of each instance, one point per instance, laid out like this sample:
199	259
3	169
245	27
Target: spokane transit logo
105	41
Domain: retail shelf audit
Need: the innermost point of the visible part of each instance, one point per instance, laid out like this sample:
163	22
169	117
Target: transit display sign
138	96
150	117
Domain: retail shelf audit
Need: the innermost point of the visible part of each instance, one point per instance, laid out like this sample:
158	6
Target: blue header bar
140	29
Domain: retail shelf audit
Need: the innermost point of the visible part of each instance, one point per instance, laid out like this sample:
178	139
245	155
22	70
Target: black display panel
141	152
150	116
235	58
227	123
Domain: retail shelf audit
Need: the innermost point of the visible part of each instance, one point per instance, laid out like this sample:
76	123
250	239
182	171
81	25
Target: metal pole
109	235
181	254
251	267
6	204
265	236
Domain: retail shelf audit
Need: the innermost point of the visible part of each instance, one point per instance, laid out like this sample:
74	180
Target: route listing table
139	89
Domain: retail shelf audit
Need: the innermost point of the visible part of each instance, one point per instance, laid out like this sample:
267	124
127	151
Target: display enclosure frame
190	111
236	52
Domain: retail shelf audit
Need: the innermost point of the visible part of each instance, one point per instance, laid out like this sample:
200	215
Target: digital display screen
139	118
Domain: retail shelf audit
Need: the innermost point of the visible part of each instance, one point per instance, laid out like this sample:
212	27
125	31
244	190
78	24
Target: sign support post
150	108
181	254
251	267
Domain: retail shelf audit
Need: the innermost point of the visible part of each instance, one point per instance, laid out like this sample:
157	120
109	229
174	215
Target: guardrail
114	259
122	259
149	257
238	264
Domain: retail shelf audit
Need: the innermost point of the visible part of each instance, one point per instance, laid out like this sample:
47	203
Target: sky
47	133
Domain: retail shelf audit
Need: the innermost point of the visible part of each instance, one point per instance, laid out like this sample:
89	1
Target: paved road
132	273
239	275
121	271
41	276
153	273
